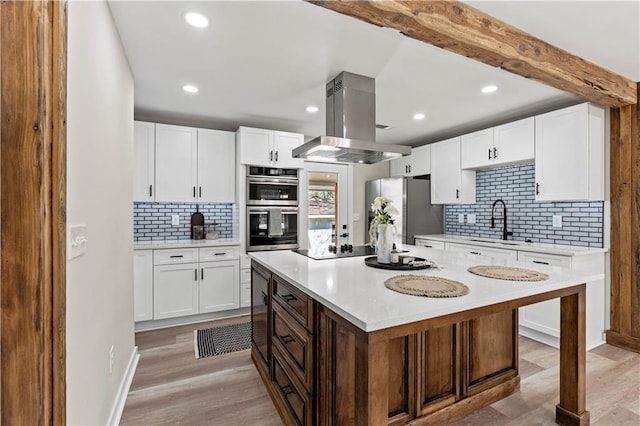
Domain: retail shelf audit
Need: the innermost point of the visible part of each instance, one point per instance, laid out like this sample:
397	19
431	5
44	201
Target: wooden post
571	409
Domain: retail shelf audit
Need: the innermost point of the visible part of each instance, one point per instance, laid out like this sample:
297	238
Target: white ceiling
261	63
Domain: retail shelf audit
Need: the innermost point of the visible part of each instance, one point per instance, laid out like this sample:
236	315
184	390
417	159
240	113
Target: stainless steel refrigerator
412	198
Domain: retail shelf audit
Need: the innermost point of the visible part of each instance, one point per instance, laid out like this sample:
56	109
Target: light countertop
172	244
357	292
558	249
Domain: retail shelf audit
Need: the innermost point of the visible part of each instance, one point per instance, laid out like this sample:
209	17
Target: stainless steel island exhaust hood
351	125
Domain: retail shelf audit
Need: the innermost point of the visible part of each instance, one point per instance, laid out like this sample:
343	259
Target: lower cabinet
171	283
496	253
429	243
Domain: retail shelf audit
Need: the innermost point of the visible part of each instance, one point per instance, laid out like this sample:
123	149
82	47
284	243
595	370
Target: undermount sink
502	242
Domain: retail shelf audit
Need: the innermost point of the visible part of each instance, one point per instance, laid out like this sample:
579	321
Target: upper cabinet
569	154
216	166
143	161
183	164
262	147
449	183
510	143
416	164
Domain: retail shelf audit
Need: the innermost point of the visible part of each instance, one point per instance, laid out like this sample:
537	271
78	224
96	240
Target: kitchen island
335	346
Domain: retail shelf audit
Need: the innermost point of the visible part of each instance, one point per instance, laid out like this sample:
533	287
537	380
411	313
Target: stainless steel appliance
272	228
412	198
272	208
350	125
271	186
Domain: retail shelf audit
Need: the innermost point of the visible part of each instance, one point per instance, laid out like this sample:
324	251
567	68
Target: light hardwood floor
172	387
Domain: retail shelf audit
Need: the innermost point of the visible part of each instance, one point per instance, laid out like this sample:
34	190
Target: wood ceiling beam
461	29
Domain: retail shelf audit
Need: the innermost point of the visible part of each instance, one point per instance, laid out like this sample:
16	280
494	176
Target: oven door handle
288	182
266	211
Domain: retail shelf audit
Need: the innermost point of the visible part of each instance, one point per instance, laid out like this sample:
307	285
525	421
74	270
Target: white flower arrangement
382	210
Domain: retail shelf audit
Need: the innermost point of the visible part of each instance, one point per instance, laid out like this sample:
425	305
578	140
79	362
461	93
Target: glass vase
386	235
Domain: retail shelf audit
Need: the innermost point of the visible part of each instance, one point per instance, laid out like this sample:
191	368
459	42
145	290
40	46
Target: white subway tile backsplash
582	221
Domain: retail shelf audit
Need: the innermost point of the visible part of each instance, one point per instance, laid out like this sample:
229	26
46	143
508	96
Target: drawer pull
219	254
264	298
286	339
541	262
426	245
176	256
289	297
475	252
286	390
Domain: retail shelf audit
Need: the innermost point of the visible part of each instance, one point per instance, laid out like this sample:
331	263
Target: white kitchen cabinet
143	285
176	163
245	281
416	164
449	183
216	166
218	286
569	154
496	253
541	321
188	281
144	142
262	147
511	143
421	242
175	290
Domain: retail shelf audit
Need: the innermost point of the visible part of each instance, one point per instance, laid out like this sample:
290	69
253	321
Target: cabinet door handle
202	273
495	153
537	188
196	274
194	192
175	256
406	168
276	156
489	153
540	262
200	191
289	297
475	252
270	155
457	193
150	190
264	298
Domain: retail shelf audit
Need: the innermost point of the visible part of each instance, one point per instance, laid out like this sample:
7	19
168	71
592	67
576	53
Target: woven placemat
508	273
428	286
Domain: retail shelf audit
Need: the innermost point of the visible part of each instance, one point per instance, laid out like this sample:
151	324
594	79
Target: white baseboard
552	340
190	319
123	389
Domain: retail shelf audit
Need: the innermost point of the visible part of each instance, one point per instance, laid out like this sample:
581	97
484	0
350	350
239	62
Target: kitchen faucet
505	233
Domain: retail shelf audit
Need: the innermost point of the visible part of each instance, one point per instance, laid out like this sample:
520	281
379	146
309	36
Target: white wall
99	194
361	174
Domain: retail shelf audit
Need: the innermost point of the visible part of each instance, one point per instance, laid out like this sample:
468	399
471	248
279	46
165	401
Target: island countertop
357	292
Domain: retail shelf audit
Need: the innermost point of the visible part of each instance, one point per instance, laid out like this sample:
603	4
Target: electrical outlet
557	221
77	241
471	218
460	217
175	220
112	358
356	217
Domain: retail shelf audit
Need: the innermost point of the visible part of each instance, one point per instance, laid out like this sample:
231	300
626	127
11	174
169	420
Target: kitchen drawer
496	253
429	244
245	294
298	304
545	259
295	399
245	276
295	344
173	256
212	254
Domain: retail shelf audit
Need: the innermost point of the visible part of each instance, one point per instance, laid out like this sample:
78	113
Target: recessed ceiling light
312	108
418	116
190	88
489	89
196	19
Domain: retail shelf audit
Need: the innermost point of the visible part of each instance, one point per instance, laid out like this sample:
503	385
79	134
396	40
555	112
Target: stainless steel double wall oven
272	208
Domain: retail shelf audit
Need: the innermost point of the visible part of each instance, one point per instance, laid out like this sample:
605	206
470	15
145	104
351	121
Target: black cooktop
335	252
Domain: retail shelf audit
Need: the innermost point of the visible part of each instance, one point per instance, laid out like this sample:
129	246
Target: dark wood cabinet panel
492	350
293	395
401	378
260	301
439	361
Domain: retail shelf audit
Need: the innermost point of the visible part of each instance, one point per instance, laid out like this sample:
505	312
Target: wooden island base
321	369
